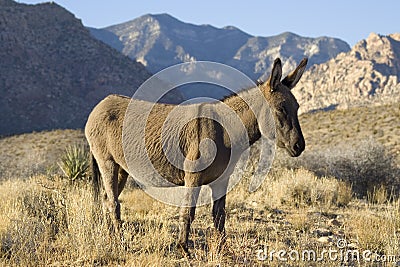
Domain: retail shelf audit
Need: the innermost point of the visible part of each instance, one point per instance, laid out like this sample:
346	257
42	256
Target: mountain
53	72
368	74
159	41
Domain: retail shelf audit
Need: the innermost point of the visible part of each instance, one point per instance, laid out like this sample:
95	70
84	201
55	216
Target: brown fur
104	134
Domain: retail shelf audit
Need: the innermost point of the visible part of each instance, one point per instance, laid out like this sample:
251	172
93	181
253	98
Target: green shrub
75	163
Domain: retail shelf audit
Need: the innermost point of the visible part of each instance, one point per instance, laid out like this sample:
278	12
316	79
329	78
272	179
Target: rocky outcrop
368	74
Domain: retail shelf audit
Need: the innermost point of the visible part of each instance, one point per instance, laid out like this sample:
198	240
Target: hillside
369	74
159	41
52	71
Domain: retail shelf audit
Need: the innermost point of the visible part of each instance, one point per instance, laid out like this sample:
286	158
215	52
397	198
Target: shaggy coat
104	132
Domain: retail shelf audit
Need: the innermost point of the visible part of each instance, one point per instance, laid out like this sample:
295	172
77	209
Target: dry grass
46	224
47	221
378	231
51	222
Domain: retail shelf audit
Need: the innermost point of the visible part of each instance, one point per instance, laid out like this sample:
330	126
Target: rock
367	74
325	239
335	222
322	232
233	211
271	228
278	211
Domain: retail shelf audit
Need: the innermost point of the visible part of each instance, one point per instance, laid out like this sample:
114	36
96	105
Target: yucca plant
75	163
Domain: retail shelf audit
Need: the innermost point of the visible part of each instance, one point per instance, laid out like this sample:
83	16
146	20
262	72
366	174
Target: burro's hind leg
218	213
122	178
109	172
187	212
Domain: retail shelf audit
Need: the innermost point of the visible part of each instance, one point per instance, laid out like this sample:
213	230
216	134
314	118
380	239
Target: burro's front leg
187	212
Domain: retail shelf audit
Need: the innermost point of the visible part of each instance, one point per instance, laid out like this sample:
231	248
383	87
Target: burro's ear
293	78
276	75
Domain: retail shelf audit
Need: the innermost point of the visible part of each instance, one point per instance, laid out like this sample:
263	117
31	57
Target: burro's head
285	107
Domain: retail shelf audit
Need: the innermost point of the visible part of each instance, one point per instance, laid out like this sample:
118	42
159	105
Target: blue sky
349	20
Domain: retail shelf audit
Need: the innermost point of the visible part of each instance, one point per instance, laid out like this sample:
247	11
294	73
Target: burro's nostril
297	146
296	149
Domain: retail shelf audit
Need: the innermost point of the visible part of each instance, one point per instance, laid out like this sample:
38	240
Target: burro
176	152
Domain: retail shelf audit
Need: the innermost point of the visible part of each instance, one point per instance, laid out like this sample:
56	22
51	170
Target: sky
349	20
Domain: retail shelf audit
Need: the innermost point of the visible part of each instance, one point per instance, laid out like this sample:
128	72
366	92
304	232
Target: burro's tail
95	178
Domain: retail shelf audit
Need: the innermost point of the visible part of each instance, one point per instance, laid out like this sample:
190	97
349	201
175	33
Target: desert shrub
303	188
75	163
367	166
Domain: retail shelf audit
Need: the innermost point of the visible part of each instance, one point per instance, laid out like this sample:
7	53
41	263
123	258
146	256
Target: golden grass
378	231
51	222
303	188
47	224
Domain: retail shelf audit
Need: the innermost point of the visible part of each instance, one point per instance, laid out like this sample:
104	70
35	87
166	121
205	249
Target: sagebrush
367	166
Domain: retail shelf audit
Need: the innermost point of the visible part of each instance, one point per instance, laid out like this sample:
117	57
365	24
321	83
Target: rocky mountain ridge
159	41
337	77
369	74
